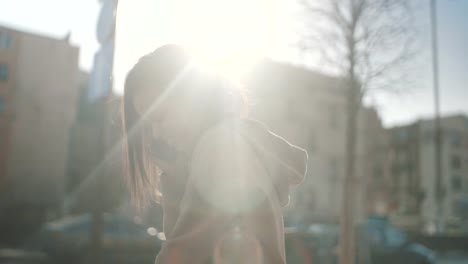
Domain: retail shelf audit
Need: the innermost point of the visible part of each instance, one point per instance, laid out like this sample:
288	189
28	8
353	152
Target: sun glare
226	36
232	66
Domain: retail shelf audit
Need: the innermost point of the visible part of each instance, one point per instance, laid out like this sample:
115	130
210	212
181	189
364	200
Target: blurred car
315	244
68	240
377	241
18	256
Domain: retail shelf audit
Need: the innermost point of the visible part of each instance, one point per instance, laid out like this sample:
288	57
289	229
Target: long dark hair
156	72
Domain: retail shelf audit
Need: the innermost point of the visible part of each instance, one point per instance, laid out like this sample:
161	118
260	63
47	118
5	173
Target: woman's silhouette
222	178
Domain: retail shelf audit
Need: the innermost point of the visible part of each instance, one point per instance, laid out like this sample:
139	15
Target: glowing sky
58	17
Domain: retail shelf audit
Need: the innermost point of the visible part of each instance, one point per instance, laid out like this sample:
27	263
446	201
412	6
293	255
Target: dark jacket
229	207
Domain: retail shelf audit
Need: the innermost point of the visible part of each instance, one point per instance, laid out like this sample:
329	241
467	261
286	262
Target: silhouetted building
94	167
95	161
7	59
309	110
414	178
38	94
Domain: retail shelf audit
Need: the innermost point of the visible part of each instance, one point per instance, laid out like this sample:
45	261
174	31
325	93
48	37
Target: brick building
38	96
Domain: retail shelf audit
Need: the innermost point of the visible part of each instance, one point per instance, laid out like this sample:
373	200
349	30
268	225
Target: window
456	139
456	162
2	105
457	184
3	72
402	135
5	40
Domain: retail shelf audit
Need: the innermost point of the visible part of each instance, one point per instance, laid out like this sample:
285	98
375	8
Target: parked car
19	256
384	243
316	244
377	241
68	240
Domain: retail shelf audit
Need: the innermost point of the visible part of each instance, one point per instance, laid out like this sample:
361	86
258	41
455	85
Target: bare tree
369	42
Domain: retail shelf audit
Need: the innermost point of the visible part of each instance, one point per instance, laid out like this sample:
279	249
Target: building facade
38	91
414	178
309	110
95	160
94	172
8	56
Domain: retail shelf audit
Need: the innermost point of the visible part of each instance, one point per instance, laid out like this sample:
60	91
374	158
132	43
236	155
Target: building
7	57
38	96
94	171
309	110
95	156
414	179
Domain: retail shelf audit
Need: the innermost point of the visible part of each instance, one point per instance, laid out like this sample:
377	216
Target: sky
58	17
418	101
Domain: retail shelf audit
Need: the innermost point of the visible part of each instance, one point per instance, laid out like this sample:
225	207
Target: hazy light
137	220
224	35
152	231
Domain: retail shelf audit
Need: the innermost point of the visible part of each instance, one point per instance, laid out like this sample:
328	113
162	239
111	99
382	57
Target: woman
222	179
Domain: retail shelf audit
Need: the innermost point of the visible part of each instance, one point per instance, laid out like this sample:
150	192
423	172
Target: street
453	259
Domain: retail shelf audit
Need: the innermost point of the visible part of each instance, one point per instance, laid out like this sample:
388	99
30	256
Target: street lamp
437	125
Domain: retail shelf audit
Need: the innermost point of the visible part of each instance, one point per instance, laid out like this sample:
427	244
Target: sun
230	65
226	36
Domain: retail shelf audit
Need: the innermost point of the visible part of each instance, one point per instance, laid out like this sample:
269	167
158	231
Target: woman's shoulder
238	131
224	137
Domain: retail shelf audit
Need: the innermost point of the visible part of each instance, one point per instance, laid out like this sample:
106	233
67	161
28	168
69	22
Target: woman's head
168	103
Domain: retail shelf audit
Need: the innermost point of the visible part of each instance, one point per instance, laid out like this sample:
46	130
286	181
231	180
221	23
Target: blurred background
375	91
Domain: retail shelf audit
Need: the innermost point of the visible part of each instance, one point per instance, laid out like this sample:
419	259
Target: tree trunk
348	205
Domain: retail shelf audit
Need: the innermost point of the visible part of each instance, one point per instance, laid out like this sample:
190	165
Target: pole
439	192
347	255
98	220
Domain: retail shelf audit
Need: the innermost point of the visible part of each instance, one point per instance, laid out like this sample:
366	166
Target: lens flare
226	36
